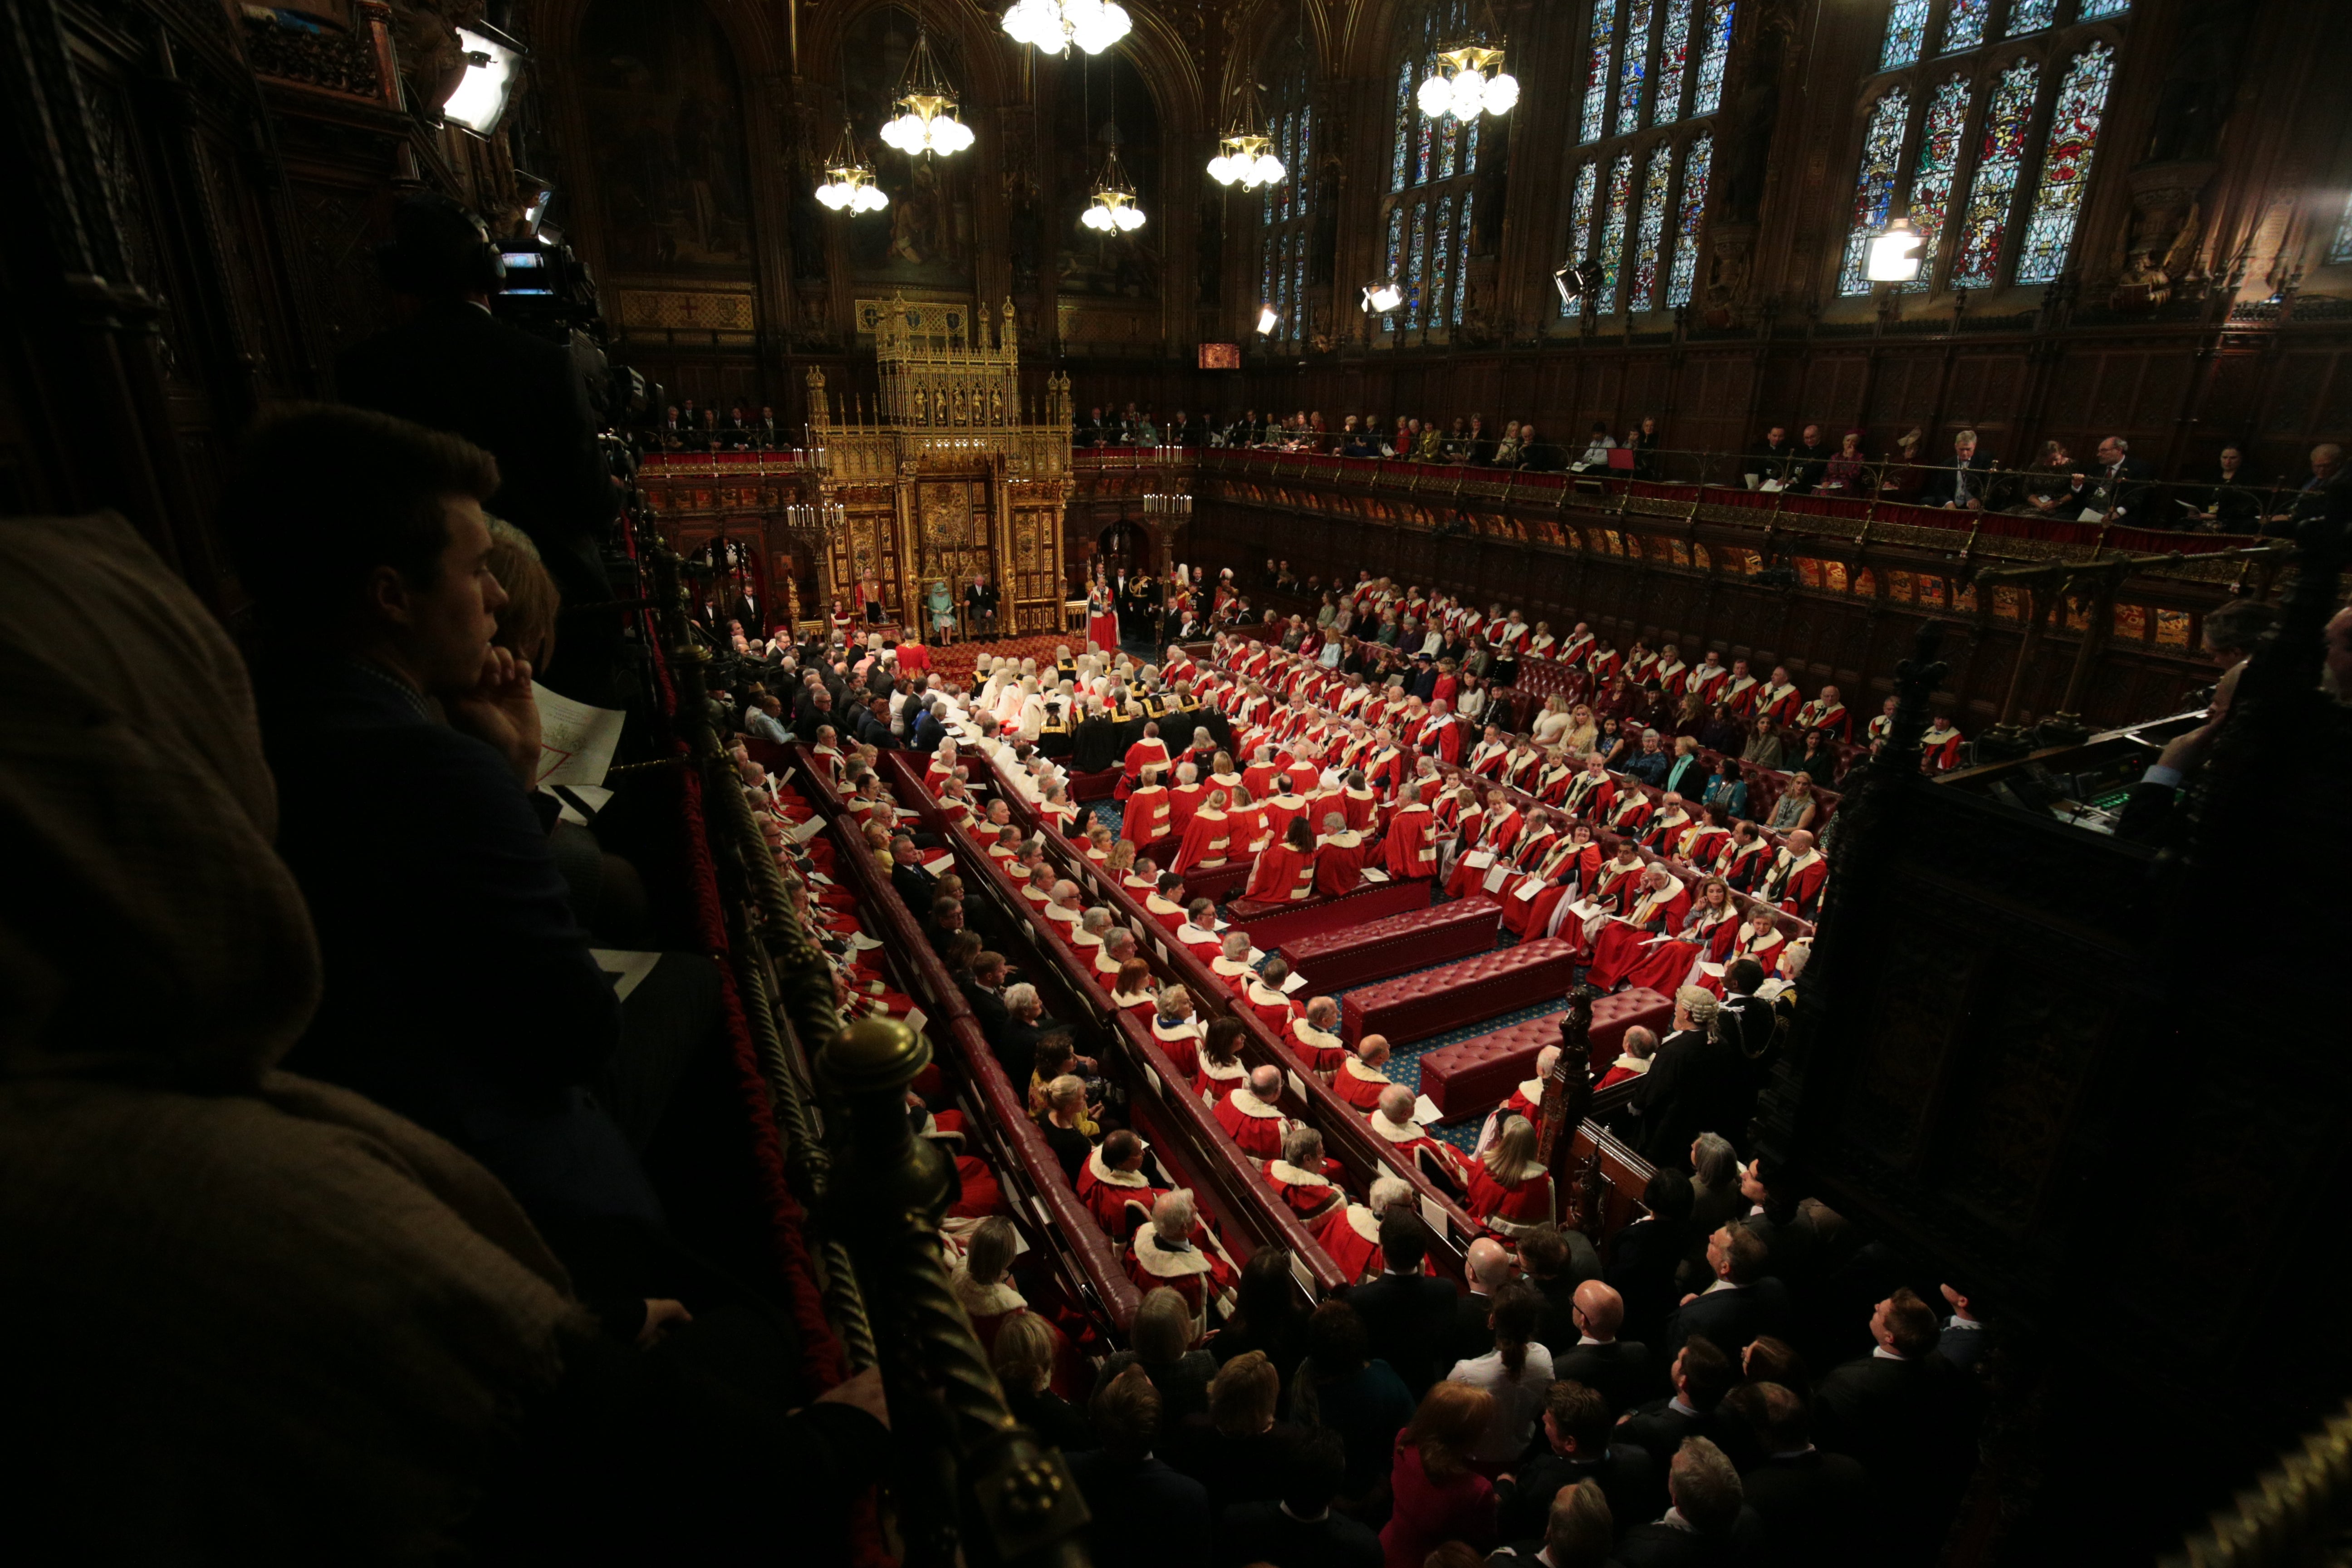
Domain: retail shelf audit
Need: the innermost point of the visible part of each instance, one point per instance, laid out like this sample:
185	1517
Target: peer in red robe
1179	1036
1349	1235
1591	794
1145	821
1208	837
1779	699
1530	901
1191	1271
1827	714
1704	933
1943	747
1183	801
1107	1190
1318	1046
1360	1079
1257	1125
1339	863
1391	1122
1411	842
1795	881
1655	910
1309	1193
1509	1192
1264	996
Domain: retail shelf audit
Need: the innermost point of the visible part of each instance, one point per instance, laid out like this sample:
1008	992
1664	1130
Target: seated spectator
1438	1495
1065	1124
1301	1530
1597	446
1236	1448
1813	1505
1160	1346
1741	1303
1578	1428
1024	1359
1700	1375
459	987
1144	1512
2222	500
1841	475
1765	747
1577	1530
1709	1522
1516	1372
1651	762
1341	1388
1819	762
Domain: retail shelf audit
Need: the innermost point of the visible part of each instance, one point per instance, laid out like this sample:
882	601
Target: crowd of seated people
2219	496
684	428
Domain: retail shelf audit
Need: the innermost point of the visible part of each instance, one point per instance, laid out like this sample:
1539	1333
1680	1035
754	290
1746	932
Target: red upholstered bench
1415	1007
1474	1077
1358	955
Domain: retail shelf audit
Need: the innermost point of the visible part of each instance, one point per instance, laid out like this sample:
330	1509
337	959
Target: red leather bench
1415	1007
1358	955
1474	1077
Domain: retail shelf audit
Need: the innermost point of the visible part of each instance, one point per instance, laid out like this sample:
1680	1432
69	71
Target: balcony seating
1415	1007
1358	955
1474	1077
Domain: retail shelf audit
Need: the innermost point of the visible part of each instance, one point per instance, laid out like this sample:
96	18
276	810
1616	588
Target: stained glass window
1406	110
1596	82
1906	30
1633	65
1874	189
2031	15
1673	58
1964	25
1696	164
2095	9
1612	231
1461	274
1441	269
1580	222
2340	247
1715	52
1424	161
2000	158
1416	255
2066	164
1932	168
1650	235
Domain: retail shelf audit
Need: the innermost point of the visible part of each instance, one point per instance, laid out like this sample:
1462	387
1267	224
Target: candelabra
1167	506
829	521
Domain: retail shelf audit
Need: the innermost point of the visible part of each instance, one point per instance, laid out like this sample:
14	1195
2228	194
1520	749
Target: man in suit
1592	1353
1696	1084
1962	484
1773	459
913	883
1701	1376
983	993
1710	1522
2310	498
1578	1424
1405	1312
2121	486
1486	1268
1898	1410
1742	1303
1088	431
980	609
1558	1263
1811	461
1025	1027
1144	1512
1301	1530
448	365
1813	1504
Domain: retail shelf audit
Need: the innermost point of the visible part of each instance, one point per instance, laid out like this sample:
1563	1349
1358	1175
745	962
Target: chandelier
828	521
1268	318
1054	25
1383	297
850	180
1460	86
927	121
1114	210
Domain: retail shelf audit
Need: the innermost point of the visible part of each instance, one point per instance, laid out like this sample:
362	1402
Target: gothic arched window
1646	146
1285	209
1430	169
1984	143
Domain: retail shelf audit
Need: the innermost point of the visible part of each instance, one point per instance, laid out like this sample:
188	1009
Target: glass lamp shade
1502	92
1268	318
1127	219
1435	97
1382	298
1268	169
1221	169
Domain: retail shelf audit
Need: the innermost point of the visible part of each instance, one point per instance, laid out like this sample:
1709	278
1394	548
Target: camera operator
449	366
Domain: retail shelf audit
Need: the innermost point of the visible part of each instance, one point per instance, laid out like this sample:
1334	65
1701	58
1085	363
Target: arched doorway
1124	546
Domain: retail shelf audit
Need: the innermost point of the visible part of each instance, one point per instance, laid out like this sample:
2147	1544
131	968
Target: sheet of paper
806	831
1163	950
1374	874
1495	876
1432	1214
1425	1112
1152	1078
1479	859
1297	1085
575	740
863	942
1525	891
1295	983
627	970
916	1018
1661	937
1257	956
567	812
941	864
1769	486
2092	514
1712	970
591	798
1583	911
